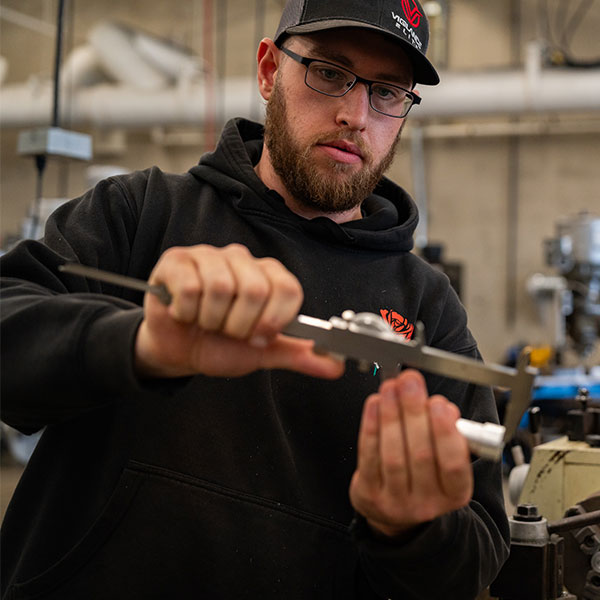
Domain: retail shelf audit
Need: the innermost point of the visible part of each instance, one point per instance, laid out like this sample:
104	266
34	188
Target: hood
389	214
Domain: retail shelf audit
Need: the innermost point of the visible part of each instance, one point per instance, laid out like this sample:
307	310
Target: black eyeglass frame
357	79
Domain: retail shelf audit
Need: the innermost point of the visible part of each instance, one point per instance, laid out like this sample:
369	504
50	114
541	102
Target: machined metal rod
575	522
160	291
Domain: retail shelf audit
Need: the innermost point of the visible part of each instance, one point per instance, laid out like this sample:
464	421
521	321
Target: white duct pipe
532	90
141	60
115	48
175	62
82	68
107	106
147	67
3	69
511	93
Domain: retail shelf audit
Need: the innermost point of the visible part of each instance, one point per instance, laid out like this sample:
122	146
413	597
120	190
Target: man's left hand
413	464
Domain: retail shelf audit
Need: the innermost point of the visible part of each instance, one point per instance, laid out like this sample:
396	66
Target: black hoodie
218	487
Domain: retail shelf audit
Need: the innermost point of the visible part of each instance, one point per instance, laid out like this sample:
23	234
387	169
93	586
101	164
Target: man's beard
310	184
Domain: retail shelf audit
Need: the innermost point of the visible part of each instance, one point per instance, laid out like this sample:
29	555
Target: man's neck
266	173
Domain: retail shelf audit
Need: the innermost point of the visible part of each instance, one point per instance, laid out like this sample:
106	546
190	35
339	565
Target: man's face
331	152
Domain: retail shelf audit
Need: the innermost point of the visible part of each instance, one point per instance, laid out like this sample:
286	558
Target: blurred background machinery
573	296
570	305
555	531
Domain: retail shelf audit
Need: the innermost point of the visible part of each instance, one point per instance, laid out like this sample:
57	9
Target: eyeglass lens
387	99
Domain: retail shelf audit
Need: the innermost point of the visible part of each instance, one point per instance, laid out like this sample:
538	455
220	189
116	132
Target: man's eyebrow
332	55
337	57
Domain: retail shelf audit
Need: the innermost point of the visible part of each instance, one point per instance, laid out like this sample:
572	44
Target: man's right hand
227	311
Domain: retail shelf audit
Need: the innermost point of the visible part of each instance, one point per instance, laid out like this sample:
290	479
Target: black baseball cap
404	20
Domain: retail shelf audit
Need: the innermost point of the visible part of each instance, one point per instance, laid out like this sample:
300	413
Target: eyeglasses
332	80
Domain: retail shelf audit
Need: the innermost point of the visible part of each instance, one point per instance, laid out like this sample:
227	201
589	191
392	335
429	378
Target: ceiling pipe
108	106
511	93
514	92
22	19
532	90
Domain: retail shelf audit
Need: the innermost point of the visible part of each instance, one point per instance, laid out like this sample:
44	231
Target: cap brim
423	70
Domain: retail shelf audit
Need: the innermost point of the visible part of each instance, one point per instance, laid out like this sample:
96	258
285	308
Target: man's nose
354	108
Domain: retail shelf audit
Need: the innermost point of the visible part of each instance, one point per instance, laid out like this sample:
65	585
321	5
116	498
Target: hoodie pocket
182	537
82	553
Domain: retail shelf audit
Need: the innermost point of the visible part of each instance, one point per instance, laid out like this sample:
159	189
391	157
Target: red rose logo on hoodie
398	323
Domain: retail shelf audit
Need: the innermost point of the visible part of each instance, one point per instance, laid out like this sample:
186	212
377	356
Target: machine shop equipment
561	473
565	469
562	481
571	303
568	396
575	252
547	557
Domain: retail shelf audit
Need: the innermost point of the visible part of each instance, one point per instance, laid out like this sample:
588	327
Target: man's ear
267	57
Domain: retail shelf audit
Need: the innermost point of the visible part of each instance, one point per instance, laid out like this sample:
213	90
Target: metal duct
106	106
532	90
115	48
511	93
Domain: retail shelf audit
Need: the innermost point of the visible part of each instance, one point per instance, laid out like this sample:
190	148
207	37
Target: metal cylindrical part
532	533
485	439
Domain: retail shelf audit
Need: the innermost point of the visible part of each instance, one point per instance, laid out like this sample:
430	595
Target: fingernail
258	341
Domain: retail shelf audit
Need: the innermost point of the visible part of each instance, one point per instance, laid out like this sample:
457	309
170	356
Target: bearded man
192	449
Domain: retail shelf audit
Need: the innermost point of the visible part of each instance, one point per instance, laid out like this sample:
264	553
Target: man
192	450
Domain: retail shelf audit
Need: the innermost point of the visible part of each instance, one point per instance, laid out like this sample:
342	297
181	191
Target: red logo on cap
413	14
